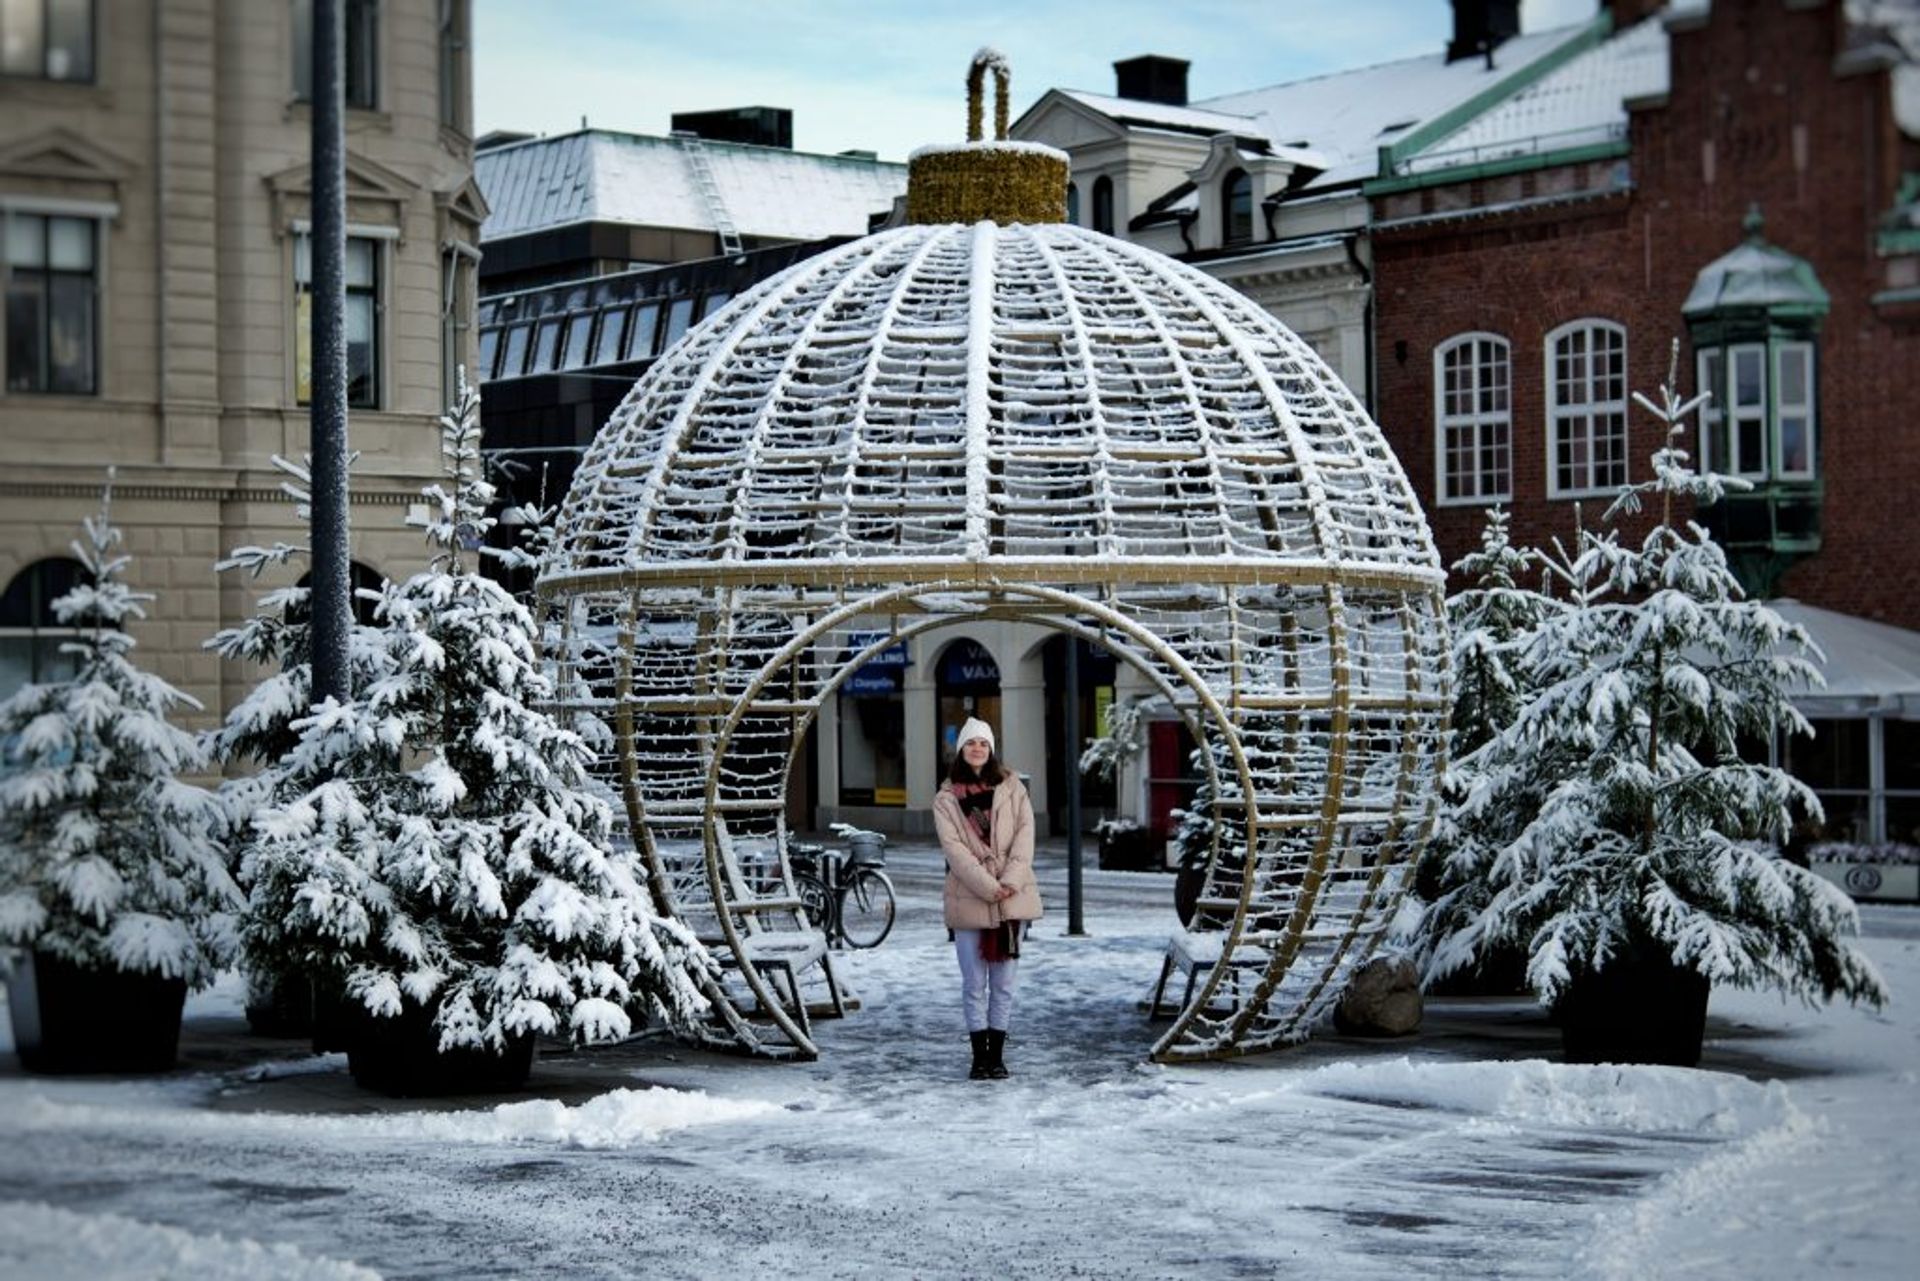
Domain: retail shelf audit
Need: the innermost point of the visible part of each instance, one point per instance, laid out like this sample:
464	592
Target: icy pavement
1463	1151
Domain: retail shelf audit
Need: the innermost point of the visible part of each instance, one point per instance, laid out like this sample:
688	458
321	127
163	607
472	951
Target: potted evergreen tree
450	858
1124	842
258	736
1490	620
113	883
1623	840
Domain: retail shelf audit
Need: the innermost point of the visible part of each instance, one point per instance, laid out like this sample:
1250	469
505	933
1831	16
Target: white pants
986	990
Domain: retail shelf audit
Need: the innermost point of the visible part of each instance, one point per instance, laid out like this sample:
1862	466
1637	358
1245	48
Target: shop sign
882	673
869	682
894	655
968	667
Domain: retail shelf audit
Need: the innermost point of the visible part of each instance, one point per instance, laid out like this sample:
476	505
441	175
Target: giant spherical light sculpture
1023	420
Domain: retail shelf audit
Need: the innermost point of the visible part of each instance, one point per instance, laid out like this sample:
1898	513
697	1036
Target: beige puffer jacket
976	872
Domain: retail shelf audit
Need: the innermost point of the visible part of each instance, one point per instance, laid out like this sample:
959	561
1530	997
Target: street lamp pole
327	392
1076	897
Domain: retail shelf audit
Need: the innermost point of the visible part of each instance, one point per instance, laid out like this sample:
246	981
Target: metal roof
1348	116
1756	275
601	176
1585	101
1580	103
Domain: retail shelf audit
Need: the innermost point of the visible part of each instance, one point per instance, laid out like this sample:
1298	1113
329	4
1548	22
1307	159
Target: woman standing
985	822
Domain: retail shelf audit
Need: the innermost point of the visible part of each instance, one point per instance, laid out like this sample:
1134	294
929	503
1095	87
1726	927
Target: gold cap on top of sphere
993	180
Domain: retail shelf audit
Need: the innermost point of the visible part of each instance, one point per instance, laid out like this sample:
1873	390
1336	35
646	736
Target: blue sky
886	75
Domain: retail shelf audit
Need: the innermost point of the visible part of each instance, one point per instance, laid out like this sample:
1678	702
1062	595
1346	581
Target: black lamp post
327	406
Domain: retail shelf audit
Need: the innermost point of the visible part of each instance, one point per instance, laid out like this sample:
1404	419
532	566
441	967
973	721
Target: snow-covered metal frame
944	422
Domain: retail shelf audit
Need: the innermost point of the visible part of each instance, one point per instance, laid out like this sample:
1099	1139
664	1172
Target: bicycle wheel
866	908
813	900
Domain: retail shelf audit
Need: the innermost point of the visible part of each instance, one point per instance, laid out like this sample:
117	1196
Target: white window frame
1766	415
1227	239
1588	410
1809	409
1748	415
1480	422
1113	206
1709	389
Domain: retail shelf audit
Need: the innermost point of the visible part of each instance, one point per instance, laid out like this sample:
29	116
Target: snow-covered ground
1466	1150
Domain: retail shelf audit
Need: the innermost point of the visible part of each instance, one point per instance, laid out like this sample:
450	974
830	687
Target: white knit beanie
975	728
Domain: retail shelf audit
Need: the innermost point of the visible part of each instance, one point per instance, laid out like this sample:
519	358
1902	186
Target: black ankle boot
979	1039
996	1047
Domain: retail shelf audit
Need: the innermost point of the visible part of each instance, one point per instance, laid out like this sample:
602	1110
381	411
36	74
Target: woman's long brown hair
993	773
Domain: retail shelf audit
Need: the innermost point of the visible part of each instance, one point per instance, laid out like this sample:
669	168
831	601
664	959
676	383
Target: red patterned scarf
976	804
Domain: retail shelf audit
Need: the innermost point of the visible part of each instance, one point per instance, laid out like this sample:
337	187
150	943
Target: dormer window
1236	208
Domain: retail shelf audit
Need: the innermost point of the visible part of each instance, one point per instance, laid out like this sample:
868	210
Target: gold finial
995	180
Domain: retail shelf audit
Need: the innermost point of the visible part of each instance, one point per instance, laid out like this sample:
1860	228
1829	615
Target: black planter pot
332	1016
401	1057
70	1019
283	1007
1133	851
1187	884
1501	972
1641	1008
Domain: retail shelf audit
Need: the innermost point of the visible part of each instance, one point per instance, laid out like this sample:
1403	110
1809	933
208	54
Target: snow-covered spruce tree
108	861
258	731
452	857
1126	728
258	736
519	561
1652	833
1491	621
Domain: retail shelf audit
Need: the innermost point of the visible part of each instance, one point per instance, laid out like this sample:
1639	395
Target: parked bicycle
845	891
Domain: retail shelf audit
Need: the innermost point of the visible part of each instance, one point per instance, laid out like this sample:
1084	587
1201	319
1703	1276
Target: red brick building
1533	266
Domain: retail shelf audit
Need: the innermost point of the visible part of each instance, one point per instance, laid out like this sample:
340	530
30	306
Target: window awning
1870	667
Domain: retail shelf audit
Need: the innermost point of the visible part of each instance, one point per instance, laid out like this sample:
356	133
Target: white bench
1193	953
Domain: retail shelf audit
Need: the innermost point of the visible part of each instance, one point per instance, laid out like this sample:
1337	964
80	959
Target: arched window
1586	409
1236	208
360	580
1103	205
1473	419
1073	203
30	633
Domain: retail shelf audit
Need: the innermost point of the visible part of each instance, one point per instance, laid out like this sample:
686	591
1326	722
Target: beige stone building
154	199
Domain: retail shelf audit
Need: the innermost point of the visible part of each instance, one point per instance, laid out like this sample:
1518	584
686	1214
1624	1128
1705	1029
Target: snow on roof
1348	116
1585	101
1869	665
1580	103
1136	111
644	181
1899	21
